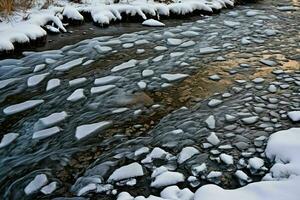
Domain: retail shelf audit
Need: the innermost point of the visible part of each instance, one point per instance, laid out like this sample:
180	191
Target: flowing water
153	72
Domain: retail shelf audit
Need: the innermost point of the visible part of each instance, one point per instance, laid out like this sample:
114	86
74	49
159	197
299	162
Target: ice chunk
213	139
147	73
126	65
45	133
76	95
101	89
77	81
211	122
53	83
50	188
51	120
5	83
174	41
69	65
208	50
173	77
106	80
8	138
186	153
38	182
22	106
87	129
36	79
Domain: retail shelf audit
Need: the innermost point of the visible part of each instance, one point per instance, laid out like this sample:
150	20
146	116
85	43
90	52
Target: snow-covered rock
283	148
294	116
153	22
126	172
167	178
186	153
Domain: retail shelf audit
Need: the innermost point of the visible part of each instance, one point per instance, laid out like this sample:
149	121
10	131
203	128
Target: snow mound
153	22
281	183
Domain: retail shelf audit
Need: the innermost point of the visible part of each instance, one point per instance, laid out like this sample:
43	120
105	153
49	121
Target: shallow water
135	121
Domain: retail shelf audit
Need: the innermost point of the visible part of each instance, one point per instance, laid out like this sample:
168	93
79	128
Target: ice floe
88	129
20	107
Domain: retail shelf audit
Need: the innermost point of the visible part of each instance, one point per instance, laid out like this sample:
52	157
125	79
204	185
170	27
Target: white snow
76	95
175	193
38	182
46	133
69	65
199	169
87	129
8	139
153	22
256	163
13	109
186	153
72	13
167	178
156	153
126	65
280	184
36	79
53	83
127	171
25	30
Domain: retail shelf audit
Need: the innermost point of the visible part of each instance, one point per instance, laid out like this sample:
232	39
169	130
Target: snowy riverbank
55	19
